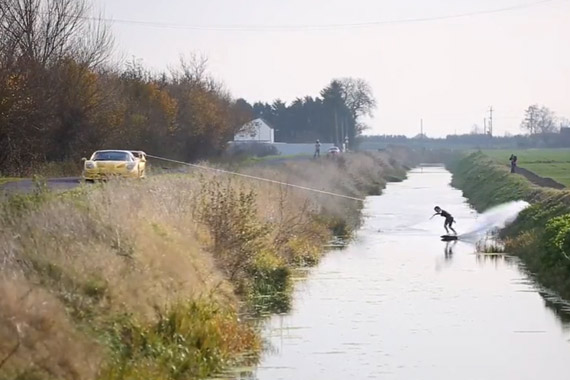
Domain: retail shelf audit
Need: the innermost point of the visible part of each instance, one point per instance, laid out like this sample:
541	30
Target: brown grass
38	338
74	263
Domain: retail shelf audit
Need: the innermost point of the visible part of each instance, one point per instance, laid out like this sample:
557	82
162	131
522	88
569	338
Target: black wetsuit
448	219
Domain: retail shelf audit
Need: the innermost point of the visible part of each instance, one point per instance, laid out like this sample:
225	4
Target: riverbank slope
161	279
541	233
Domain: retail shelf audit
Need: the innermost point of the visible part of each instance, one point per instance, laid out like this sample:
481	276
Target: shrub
189	340
247	149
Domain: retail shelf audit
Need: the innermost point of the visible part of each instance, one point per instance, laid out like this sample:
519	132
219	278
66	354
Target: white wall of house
256	131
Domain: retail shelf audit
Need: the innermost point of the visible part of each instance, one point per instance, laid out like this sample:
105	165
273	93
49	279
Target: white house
256	131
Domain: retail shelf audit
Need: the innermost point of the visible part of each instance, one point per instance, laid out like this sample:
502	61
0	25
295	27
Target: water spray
493	220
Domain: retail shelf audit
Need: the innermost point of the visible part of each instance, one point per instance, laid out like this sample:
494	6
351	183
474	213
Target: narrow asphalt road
27	185
68	183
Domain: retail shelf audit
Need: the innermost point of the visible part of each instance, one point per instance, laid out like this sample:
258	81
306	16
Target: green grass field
550	163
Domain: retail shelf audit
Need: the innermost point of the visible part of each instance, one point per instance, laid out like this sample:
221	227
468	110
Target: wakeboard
448	237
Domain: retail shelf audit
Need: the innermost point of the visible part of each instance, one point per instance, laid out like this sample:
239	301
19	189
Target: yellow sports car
105	164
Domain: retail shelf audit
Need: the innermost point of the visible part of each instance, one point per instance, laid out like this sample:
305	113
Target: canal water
400	304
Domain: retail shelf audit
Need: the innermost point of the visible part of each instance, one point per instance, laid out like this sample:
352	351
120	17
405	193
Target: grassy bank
158	279
541	233
548	163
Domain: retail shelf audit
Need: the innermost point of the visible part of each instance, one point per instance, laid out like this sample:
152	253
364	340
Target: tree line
468	141
60	98
333	117
542	127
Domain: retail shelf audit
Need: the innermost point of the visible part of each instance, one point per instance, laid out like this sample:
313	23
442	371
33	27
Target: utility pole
341	132
336	127
484	125
491	121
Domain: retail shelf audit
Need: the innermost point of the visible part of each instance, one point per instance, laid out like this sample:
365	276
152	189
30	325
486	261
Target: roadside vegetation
541	233
164	278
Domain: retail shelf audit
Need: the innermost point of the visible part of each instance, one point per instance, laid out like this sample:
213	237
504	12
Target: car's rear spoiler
139	154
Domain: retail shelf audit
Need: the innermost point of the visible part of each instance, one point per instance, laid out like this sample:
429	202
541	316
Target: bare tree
539	120
95	44
360	101
547	121
46	31
135	70
530	120
358	97
194	68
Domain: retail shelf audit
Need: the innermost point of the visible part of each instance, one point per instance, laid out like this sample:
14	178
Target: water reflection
448	251
558	306
495	259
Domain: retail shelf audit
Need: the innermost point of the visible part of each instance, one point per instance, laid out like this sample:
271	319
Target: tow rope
202	167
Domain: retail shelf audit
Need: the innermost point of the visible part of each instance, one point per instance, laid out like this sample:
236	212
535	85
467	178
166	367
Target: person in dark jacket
513	160
448	219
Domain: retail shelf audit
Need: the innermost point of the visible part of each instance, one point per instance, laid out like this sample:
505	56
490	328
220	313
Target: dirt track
538	180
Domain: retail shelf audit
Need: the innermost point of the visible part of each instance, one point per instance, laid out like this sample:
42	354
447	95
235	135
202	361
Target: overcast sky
446	71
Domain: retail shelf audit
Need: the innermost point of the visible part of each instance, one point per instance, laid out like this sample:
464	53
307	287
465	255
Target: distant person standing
317	149
513	160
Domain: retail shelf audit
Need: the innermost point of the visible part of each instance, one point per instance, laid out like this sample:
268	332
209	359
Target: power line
309	27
